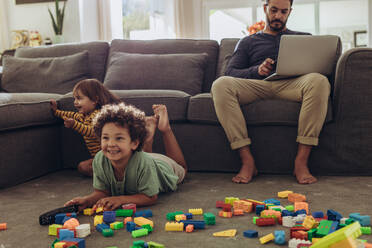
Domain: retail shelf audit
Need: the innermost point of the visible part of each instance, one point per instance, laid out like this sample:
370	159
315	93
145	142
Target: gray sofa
178	73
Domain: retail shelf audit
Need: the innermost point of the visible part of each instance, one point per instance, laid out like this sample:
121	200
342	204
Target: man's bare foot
161	112
246	174
302	173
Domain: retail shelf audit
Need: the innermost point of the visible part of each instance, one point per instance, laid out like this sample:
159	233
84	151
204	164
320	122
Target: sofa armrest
352	96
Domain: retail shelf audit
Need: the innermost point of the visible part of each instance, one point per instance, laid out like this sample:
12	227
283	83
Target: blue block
109	216
131	226
65	233
301	211
188	216
250	234
143	213
81	242
66	218
318	214
259	209
272	201
198	224
279	237
333	227
287	213
101	227
364	220
333	215
59	218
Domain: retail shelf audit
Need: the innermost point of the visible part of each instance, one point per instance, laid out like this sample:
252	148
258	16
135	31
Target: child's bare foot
302	173
85	167
151	123
160	111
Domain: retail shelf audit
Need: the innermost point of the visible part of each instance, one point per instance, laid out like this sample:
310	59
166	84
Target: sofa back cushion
227	48
184	72
174	46
97	51
44	75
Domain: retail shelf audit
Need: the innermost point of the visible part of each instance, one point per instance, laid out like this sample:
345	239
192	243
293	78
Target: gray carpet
20	207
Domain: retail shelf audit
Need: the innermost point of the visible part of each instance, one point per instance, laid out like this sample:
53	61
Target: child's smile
83	104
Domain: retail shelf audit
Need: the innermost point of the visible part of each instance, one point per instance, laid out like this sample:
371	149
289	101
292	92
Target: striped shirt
83	125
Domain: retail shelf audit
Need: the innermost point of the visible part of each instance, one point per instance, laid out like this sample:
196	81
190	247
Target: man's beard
274	27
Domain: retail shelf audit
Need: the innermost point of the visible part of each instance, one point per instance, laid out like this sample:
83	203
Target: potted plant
57	21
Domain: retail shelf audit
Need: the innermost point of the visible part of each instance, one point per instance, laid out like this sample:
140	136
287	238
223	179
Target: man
252	61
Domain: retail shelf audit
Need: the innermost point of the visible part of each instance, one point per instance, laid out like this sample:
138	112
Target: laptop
302	54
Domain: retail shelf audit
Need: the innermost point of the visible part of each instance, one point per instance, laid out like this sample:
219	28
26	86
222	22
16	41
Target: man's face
277	12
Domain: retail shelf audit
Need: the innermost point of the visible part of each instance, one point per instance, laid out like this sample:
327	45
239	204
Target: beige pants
311	89
178	169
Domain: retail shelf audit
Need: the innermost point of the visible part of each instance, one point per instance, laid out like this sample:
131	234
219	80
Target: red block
220	204
265	221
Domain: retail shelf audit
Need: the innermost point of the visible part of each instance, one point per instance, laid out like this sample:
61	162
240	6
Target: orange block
225	214
367	245
71	223
295	197
126	219
2	226
189	228
301	205
238	212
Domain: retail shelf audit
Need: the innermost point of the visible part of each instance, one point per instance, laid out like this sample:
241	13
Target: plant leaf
53	22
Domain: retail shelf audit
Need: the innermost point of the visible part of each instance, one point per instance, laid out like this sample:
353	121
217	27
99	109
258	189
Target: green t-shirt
143	175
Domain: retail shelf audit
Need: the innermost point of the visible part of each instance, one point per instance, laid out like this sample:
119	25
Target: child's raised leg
151	123
172	148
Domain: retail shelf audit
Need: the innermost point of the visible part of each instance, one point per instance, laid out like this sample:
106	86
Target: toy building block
367	245
279	237
171	216
366	230
231	200
225	214
219	204
244	205
152	244
60	218
98	219
196	211
265	221
82	230
238	212
116	225
290	208
267	238
363	220
143	213
130	206
3	226
48	218
109	216
300	235
126	219
189	228
179	217
295	197
318	215
270	214
250	234
71	223
254	219
140	233
259	209
198	224
79	242
209	218
278	208
345	243
108	232
174	226
101	227
225	233
284	194
52	229
272	201
99	210
139	243
288	221
333	215
59	244
140	221
309	222
88	211
311	234
188	216
254	203
124	212
226	208
301	205
65	233
352	231
130	226
148	227
293	243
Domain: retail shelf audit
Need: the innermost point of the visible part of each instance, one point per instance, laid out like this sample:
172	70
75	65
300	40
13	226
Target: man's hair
96	92
126	116
267	1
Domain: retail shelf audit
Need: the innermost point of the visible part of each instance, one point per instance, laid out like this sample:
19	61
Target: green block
140	233
254	219
107	232
324	228
139	243
124	212
341	225
349	221
311	234
55	241
366	230
152	244
148	227
290	208
209	218
171	216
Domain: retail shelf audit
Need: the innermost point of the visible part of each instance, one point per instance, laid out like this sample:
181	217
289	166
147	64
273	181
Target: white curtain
110	19
184	19
4	29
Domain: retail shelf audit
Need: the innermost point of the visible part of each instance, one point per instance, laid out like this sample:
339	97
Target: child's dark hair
123	115
96	92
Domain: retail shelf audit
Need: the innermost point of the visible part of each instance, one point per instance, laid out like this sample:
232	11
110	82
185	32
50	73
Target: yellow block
196	211
174	226
98	219
226	233
88	211
53	229
284	194
140	221
99	210
267	238
59	245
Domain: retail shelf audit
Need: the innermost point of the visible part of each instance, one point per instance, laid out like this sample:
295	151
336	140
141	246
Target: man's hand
266	67
69	123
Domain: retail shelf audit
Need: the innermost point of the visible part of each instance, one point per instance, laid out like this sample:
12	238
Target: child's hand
108	203
53	105
69	123
81	201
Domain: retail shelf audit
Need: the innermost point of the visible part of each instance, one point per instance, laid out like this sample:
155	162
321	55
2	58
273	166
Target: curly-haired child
122	172
89	96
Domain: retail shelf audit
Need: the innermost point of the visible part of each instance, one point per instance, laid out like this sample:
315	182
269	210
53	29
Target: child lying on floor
122	172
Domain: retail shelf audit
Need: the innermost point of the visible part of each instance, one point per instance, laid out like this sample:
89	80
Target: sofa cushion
265	112
226	51
176	101
18	110
98	52
48	75
184	72
173	46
